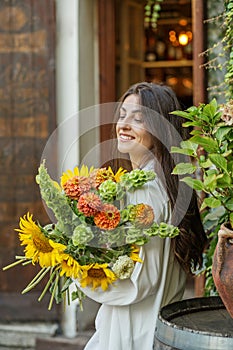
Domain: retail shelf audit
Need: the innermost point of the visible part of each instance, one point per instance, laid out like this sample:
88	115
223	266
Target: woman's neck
140	163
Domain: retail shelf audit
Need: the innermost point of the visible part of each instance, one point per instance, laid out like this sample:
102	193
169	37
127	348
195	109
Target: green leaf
205	164
229	204
203	118
225	181
193	110
196	132
214	103
231	219
192	123
216	118
207	143
189	144
212	202
186	151
66	285
184	168
187	147
211	171
230	166
194	183
219	161
211	108
210	182
183	114
223	131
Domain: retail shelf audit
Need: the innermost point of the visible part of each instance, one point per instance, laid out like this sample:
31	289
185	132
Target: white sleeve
146	276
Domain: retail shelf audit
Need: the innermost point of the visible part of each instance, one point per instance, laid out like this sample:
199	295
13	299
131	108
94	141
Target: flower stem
36	279
13	264
26	263
17	257
68	295
47	286
37	276
54	291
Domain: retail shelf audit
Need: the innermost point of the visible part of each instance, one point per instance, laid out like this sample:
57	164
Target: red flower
89	204
76	186
108	218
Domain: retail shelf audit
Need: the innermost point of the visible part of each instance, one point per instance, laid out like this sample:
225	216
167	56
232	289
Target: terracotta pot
222	269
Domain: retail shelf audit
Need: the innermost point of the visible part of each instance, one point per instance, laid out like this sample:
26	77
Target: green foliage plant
210	148
220	53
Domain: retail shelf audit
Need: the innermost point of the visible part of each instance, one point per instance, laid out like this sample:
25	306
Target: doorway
161	53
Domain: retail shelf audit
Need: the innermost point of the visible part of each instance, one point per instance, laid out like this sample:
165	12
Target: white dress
127	317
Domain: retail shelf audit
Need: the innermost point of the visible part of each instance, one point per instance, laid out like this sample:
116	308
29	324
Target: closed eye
138	120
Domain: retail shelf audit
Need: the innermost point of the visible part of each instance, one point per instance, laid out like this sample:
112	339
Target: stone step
62	343
20	336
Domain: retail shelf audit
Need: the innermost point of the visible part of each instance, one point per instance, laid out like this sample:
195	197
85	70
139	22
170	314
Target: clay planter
222	269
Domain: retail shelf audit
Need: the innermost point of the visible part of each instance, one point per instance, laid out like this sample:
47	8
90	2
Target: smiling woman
143	135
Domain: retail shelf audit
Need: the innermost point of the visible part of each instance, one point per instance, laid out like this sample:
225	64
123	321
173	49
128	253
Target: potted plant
211	150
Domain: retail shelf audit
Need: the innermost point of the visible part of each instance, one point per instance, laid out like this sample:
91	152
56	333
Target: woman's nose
125	122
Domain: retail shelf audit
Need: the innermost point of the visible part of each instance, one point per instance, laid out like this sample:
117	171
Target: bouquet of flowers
96	238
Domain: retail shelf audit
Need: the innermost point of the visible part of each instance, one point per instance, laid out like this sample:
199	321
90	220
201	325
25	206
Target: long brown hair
167	130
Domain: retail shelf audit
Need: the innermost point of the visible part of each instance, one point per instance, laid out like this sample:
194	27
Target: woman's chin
124	147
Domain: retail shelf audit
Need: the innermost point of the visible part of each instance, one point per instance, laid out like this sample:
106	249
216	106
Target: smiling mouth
123	137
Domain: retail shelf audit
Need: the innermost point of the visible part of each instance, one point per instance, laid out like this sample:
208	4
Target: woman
145	131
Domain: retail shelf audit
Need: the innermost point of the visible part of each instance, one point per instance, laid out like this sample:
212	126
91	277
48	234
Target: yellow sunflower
119	173
97	275
70	267
69	174
134	255
38	248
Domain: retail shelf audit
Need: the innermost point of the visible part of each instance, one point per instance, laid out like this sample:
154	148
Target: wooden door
27	118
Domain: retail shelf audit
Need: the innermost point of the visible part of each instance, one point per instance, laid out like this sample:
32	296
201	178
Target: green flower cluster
56	201
141	236
130	234
162	230
136	179
108	191
82	235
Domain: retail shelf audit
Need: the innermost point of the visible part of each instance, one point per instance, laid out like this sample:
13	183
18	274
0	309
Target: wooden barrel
194	324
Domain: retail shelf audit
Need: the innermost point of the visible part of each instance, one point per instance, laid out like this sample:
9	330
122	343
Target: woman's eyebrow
133	111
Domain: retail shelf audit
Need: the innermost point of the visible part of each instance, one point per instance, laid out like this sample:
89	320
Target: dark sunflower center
42	244
96	273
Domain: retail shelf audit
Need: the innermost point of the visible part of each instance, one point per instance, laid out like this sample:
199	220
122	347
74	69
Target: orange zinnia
108	218
142	215
89	204
76	186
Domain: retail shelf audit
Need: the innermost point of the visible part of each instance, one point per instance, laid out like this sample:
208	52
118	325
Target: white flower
227	113
123	267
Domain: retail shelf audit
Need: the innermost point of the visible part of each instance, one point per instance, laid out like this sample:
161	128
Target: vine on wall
220	53
229	47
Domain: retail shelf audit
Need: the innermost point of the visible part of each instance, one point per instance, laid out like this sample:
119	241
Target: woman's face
132	136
